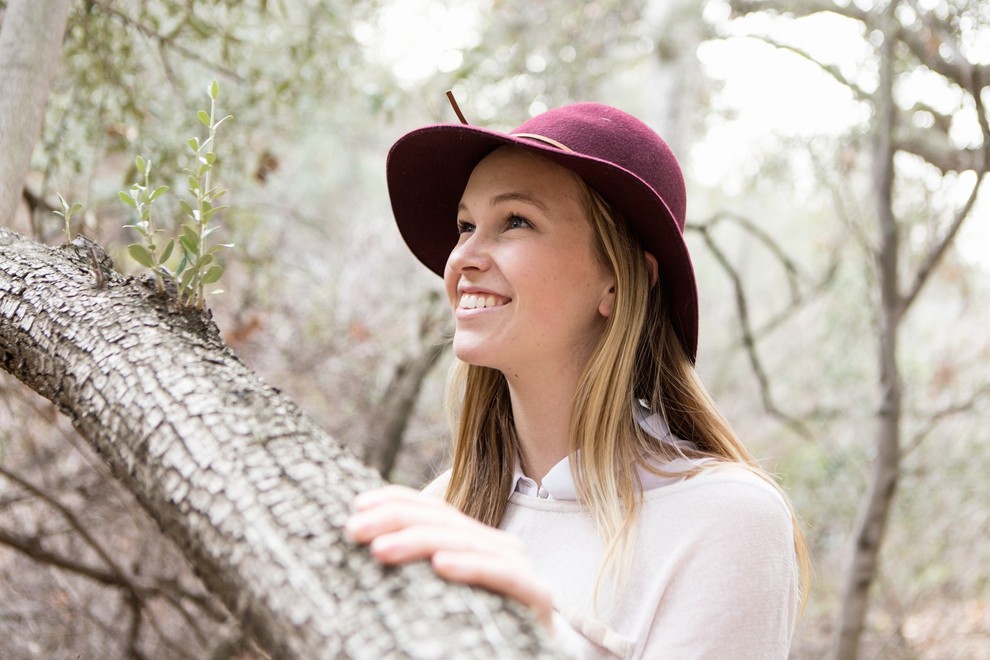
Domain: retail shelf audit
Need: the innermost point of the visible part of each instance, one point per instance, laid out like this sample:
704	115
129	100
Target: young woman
593	479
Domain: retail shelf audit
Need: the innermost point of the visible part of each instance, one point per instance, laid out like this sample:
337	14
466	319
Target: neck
541	410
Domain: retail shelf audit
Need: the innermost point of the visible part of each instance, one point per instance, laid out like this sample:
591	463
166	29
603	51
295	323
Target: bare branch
748	338
830	69
926	44
403	390
798	8
32	547
935	419
76	524
939	250
936	148
166	41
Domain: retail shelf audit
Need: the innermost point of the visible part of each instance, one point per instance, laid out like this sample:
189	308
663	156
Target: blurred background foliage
324	301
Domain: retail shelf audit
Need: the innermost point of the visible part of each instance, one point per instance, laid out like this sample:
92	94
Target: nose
472	252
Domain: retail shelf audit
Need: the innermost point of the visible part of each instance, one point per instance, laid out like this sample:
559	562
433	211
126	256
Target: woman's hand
403	525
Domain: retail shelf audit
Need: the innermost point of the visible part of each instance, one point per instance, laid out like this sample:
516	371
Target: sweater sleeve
732	590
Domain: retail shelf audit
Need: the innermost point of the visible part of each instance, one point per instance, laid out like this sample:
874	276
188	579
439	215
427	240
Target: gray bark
252	492
876	505
30	41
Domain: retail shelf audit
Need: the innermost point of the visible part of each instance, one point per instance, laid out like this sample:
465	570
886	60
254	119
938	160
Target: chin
470	353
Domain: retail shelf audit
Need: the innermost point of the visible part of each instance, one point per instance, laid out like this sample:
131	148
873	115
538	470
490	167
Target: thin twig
935	419
830	69
749	341
166	40
935	255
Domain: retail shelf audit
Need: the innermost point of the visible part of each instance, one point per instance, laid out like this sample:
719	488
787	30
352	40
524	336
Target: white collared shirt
558	483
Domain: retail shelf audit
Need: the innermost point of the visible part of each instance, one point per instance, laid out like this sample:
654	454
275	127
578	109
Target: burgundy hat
613	152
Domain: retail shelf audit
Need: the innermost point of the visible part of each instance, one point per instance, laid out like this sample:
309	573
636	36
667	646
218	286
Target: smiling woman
593	479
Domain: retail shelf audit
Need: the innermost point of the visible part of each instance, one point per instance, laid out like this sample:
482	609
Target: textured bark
30	41
251	491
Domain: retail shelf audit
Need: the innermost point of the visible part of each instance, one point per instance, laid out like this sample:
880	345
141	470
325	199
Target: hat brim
428	169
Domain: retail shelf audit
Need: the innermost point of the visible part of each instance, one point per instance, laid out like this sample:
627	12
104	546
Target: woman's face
527	289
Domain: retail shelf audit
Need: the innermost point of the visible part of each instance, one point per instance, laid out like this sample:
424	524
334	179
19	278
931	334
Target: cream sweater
713	573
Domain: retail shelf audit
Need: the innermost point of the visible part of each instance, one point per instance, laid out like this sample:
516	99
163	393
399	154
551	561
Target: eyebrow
510	197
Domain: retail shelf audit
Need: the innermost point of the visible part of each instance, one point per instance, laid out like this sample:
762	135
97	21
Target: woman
593	479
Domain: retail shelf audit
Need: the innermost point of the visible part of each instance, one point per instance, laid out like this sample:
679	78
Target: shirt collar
558	483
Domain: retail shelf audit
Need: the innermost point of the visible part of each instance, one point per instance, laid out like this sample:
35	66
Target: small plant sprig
196	266
140	198
67	212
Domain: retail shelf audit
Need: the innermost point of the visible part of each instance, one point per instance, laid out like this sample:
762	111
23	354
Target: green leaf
189	244
193	184
210	157
127	199
157	191
186	209
214	90
167	252
193	144
141	255
186	278
213	274
204	118
214	210
75	208
139	164
205	260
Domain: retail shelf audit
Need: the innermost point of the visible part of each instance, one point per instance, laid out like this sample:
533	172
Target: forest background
798	226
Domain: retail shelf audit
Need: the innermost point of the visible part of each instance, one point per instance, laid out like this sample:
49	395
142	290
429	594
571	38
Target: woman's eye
464	227
517	222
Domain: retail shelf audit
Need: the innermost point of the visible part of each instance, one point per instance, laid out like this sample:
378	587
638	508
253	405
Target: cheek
450	284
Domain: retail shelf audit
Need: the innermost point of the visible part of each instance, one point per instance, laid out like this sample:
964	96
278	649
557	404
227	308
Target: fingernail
353	527
384	545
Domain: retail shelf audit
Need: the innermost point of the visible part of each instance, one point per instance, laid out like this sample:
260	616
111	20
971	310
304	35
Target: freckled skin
525	236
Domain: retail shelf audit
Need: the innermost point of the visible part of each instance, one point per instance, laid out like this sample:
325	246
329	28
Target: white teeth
471	301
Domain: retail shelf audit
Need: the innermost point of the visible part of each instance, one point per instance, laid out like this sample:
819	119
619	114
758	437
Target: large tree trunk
876	506
30	41
252	492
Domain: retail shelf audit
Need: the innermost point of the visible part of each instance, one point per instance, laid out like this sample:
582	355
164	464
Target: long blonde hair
638	357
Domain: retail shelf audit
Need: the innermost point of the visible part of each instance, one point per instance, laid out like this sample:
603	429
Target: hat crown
616	137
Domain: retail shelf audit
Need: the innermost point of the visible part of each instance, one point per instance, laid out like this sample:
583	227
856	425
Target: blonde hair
638	357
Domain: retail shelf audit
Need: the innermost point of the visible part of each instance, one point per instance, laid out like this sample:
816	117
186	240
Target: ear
607	302
651	263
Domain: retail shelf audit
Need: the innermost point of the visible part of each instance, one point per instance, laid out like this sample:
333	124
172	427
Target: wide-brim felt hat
619	156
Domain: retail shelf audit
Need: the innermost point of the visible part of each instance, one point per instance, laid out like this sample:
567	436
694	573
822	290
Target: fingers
403	525
510	576
389	510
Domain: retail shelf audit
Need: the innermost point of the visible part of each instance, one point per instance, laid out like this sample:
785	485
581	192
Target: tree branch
934	420
748	338
166	41
934	256
31	547
830	69
76	525
251	491
30	41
